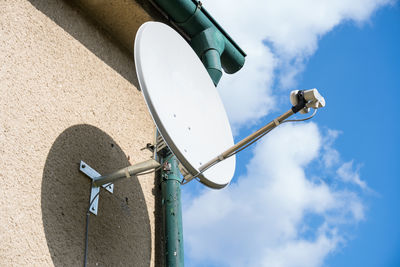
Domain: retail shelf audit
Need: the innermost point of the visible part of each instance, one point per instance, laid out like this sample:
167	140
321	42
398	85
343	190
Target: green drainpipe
212	44
172	210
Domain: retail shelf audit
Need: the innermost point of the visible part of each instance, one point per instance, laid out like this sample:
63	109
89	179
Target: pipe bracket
187	21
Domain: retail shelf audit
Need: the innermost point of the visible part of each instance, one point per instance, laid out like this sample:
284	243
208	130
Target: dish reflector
183	102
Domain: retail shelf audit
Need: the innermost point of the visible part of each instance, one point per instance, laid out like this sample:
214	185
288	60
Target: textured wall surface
69	93
116	17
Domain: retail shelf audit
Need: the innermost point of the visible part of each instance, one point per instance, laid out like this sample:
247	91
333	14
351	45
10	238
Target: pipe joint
209	45
209	38
199	28
192	20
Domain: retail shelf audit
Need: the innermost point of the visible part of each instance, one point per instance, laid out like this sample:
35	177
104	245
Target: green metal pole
172	211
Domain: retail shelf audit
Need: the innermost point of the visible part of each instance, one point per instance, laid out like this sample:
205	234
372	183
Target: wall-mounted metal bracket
95	190
106	181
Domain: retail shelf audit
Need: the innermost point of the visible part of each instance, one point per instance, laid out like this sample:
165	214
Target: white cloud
302	252
347	173
292	29
261	219
330	156
247	95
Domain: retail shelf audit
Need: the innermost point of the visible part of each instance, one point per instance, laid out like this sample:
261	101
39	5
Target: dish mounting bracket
95	190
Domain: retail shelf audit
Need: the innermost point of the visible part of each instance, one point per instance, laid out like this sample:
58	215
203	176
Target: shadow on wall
65	15
120	234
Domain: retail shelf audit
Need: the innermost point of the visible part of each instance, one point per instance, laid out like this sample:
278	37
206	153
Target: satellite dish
183	102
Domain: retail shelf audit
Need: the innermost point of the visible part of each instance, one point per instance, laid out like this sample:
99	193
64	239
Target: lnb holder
301	101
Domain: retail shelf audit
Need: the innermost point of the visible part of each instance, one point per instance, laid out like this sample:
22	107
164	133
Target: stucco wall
69	93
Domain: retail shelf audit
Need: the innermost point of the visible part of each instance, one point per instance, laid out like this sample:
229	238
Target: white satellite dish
183	102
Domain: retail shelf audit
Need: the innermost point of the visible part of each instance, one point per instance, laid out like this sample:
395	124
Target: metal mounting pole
172	210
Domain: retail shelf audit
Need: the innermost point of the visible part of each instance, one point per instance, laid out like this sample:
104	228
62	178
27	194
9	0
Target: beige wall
69	93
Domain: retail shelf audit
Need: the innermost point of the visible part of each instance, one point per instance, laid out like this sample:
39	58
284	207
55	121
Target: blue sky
363	64
314	194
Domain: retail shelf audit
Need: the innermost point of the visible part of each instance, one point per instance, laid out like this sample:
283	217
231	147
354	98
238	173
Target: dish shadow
120	234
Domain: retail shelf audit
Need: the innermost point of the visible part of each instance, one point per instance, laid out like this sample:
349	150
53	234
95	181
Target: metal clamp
95	190
195	13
